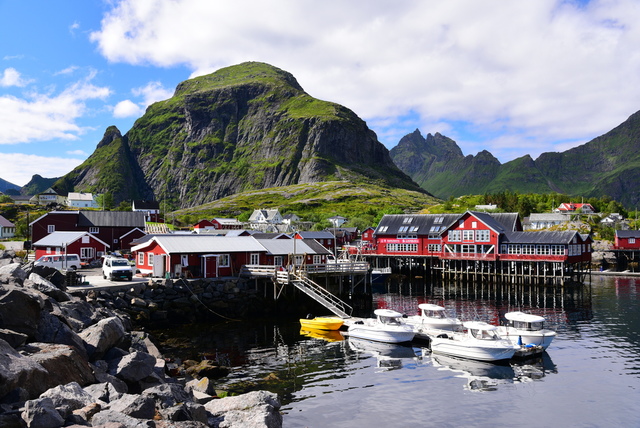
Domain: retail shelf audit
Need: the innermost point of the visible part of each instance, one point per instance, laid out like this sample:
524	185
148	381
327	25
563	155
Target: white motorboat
388	326
480	341
433	319
526	329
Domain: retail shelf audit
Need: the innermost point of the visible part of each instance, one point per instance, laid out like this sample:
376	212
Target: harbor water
588	377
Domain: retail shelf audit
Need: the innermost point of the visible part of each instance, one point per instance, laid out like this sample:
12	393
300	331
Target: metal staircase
322	296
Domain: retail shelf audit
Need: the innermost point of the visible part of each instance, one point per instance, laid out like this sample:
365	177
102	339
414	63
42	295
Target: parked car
60	261
116	268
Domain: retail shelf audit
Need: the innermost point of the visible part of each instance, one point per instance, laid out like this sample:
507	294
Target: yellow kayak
322	323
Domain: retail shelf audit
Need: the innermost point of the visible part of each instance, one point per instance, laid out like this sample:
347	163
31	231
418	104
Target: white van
59	261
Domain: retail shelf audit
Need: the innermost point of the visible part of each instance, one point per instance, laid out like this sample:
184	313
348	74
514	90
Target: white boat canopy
479	325
387	313
430	307
522	317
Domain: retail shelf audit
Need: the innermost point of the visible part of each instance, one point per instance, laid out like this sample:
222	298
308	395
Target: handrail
323	296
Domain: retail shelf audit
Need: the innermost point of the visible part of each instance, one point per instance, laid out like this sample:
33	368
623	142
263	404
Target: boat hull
537	338
321	323
476	351
379	334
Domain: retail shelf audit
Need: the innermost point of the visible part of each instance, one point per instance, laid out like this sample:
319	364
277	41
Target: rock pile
66	360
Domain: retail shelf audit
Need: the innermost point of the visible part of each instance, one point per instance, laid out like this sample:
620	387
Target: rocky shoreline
73	359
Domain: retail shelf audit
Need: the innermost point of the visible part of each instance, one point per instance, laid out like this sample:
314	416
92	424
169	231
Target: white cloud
11	77
153	92
77	153
126	108
18	168
551	70
45	117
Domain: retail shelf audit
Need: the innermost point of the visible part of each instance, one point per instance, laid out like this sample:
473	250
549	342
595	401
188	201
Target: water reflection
389	356
487	376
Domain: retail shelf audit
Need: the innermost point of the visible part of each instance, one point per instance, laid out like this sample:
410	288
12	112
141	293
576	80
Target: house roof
266	213
542	237
628	233
280	247
6	223
146	205
229	221
202	244
547	217
61	239
111	219
321	234
423	224
75	196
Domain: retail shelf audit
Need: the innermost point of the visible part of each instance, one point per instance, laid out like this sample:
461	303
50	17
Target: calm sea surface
589	376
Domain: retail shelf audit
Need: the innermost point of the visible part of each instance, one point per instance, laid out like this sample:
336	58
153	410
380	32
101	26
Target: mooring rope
200	301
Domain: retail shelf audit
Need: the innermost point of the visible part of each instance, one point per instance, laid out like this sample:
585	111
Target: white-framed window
467	235
277	260
150	259
85	239
474	224
223	260
254	259
51	228
632	240
86	252
543	249
467	249
317	259
140	258
402	248
514	249
483	235
455	235
434	248
299	259
94	230
557	250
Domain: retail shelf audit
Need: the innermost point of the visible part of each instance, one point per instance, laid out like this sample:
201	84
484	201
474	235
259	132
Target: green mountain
245	127
5	185
37	184
608	165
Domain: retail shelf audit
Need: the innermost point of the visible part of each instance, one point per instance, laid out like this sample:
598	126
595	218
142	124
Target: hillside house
151	210
539	221
81	200
337	220
571	208
48	198
86	245
265	216
7	229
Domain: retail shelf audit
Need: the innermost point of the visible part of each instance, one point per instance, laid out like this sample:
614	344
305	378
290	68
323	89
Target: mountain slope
244	127
608	165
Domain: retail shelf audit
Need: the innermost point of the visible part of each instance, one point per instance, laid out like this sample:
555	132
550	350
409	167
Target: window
467	235
402	248
483	236
514	249
414	228
434	248
317	259
277	260
528	249
455	235
383	229
86	253
223	260
407	236
468	249
51	228
94	230
557	250
115	241
150	259
407	220
254	259
403	229
632	240
438	220
543	249
85	239
474	224
140	258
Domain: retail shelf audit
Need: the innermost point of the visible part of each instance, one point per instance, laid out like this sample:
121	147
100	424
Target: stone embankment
74	360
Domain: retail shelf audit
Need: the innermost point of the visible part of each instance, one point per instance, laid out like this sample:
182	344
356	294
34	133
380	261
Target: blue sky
513	78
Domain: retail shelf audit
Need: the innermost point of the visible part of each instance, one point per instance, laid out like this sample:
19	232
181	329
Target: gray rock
137	406
70	395
52	329
104	391
102	336
79	314
168	395
45	286
64	363
106	417
187	411
13	338
17	370
20	309
252	410
204	385
135	366
41	413
14	271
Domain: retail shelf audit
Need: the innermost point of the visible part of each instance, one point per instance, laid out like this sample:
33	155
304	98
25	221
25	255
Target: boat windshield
528	326
390	320
434	314
485	334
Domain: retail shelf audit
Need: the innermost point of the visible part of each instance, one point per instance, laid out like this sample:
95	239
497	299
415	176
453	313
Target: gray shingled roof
111	219
542	237
425	223
628	233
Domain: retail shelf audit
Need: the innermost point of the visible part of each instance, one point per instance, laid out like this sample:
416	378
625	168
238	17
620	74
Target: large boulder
137	406
79	313
70	396
101	337
46	287
134	366
20	309
12	273
41	413
53	329
64	363
256	409
18	371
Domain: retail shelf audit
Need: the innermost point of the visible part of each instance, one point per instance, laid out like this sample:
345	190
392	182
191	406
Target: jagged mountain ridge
608	165
244	127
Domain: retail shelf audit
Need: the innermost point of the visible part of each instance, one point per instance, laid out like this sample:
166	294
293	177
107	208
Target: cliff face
245	127
608	165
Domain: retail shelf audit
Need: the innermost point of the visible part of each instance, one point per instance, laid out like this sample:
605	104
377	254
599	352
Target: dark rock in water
208	368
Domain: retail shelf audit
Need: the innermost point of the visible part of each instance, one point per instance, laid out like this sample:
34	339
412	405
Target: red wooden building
627	240
86	245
